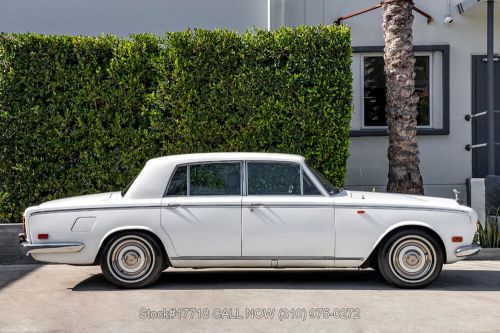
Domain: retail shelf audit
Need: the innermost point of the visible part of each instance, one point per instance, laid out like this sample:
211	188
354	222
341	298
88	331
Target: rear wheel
132	260
410	259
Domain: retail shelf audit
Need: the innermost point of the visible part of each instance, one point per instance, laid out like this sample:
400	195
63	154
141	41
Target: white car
248	210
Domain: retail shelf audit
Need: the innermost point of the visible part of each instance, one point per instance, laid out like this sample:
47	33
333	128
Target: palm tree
401	107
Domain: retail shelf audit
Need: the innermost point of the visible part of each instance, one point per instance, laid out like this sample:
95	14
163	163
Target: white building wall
445	164
122	17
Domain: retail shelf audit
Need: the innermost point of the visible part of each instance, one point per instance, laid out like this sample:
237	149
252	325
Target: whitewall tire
132	260
410	259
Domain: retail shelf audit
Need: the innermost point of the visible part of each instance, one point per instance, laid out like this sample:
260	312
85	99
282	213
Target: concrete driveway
67	298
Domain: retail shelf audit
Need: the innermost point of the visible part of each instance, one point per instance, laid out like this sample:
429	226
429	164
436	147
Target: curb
10	252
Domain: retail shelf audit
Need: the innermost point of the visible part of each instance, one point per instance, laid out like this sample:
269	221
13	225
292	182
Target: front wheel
410	259
132	260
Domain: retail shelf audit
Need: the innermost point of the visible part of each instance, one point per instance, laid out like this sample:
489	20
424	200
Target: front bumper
467	250
29	248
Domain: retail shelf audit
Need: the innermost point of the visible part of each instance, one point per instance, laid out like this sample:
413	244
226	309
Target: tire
132	260
410	259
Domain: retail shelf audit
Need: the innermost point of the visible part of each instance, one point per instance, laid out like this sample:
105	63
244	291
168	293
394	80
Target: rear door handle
255	204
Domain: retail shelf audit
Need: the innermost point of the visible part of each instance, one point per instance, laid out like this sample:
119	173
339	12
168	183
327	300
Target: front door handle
173	206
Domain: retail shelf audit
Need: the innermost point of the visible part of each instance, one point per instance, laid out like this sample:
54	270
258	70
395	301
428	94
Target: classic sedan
248	210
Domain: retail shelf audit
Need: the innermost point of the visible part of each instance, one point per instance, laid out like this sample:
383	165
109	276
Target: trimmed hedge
83	114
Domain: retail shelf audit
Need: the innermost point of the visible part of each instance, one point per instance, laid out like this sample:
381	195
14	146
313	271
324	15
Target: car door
201	210
285	217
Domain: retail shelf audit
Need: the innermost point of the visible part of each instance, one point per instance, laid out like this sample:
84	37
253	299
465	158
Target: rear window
178	183
206	179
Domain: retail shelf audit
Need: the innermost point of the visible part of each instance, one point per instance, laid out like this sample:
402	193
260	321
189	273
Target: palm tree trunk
401	107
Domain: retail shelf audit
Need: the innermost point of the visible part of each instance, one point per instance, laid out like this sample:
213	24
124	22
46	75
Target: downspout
281	17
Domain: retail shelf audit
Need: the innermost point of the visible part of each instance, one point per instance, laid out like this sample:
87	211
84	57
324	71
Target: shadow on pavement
450	280
11	273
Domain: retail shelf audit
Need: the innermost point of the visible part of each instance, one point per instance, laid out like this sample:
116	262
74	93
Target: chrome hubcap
413	259
131	259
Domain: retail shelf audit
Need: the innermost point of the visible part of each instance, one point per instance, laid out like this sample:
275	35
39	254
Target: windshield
326	184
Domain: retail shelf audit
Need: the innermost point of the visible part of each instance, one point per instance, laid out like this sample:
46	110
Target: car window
309	187
326	184
178	183
273	178
215	179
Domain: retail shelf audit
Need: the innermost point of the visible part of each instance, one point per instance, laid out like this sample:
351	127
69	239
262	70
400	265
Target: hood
394	199
83	199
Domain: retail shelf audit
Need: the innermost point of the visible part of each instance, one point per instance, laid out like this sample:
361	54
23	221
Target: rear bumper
467	250
29	248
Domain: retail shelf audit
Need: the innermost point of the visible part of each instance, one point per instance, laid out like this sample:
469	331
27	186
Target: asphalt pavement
60	298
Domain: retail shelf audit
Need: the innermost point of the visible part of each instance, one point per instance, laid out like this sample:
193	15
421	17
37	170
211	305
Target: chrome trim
203	205
357	206
336	205
467	250
274	205
301	181
68	210
29	248
21	237
63	210
188	180
261	258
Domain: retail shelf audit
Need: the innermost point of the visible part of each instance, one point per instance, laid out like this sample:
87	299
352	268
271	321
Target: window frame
444	49
188	179
362	88
165	195
244	178
301	175
302	170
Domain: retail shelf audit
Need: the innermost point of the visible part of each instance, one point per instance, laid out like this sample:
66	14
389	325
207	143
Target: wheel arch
123	230
372	257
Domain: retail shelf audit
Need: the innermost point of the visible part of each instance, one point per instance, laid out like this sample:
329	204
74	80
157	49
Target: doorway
479	124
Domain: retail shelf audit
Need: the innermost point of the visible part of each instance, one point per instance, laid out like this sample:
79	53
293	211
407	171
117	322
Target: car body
248	210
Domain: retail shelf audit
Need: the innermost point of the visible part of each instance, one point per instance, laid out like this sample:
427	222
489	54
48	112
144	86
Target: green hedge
82	115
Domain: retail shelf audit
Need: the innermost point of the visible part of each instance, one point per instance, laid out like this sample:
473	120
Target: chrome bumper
29	248
467	250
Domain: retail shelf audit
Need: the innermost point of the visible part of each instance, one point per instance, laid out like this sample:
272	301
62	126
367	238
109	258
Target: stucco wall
445	163
122	17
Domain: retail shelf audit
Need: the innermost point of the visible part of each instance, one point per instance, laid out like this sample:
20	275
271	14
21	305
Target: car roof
226	156
150	183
